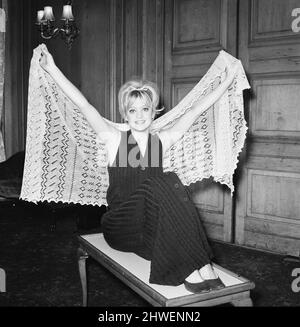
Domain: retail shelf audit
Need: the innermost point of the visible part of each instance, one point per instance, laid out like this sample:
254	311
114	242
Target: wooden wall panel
116	58
93	48
153	41
181	87
271	21
275	110
208	196
267	210
188	32
132	39
281	202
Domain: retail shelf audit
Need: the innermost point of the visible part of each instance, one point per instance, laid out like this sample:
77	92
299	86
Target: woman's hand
46	60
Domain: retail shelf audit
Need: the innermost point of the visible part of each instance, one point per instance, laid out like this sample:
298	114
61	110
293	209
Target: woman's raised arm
103	129
174	133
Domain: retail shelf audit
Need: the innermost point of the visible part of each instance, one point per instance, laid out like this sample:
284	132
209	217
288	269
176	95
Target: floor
41	264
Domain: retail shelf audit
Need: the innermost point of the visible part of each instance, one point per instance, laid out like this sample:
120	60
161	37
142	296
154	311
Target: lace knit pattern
64	160
211	146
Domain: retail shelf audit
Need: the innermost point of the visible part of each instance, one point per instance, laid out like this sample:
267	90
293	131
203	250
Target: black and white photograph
149	157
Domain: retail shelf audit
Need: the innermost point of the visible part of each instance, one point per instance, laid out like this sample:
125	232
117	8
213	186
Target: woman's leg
160	223
179	245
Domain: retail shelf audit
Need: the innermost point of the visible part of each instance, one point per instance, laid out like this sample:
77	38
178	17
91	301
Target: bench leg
82	256
243	302
2	280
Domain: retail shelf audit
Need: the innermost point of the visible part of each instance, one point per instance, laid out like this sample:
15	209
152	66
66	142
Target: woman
150	212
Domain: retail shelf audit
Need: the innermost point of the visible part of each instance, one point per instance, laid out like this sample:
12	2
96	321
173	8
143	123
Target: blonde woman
151	213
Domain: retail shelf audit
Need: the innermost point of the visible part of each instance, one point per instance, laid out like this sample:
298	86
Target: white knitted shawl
65	160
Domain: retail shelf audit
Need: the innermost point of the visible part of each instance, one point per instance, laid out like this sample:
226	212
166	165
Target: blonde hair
138	89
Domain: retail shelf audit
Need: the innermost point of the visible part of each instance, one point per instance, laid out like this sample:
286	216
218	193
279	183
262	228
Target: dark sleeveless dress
152	214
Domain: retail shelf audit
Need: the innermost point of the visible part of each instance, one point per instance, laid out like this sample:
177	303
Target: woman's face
139	114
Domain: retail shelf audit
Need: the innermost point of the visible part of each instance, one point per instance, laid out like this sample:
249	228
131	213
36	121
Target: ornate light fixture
68	32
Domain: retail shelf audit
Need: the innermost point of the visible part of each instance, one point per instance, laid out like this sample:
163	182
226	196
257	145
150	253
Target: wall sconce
69	30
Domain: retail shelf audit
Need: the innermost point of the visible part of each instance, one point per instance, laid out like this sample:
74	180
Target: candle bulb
67	13
40	17
48	13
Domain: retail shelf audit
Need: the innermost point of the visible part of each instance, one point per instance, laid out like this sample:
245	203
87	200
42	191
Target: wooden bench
134	271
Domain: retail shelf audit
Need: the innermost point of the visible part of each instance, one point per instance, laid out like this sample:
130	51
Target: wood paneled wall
268	211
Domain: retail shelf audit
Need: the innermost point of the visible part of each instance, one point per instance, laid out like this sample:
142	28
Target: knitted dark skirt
160	223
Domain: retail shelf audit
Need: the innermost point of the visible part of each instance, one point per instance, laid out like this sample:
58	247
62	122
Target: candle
48	13
67	13
40	17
